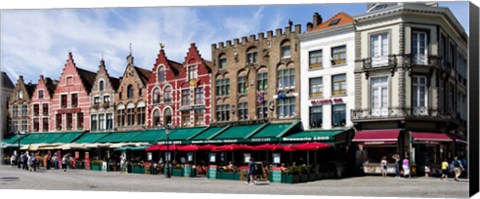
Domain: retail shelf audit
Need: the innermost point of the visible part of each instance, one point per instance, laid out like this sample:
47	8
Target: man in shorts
444	169
457	167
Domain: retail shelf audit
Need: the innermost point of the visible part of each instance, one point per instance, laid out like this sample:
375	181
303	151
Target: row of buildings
395	74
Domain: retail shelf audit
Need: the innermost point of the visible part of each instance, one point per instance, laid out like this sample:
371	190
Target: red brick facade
40	104
179	94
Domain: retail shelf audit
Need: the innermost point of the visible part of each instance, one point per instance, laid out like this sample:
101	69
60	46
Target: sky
37	42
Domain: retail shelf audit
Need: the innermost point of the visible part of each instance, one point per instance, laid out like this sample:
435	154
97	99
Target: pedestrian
427	166
13	160
64	163
457	167
444	169
55	161
406	167
383	164
123	164
30	162
396	157
25	161
251	168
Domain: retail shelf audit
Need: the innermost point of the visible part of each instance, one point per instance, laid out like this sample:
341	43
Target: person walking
30	162
406	167
427	166
13	159
444	169
251	168
25	161
55	161
396	157
123	165
64	163
383	164
457	167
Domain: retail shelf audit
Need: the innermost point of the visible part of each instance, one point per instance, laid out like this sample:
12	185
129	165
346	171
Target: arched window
161	74
262	79
285	49
156	95
242	82
130	92
222	61
20	94
168	116
167	95
156	117
101	85
252	55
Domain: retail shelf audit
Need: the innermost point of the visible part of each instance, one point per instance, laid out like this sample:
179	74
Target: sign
212	157
276	158
212	171
124	154
276	175
246	157
190	157
187	170
314	138
149	156
326	101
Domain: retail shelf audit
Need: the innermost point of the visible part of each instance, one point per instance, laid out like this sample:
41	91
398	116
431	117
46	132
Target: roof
340	18
88	78
115	82
51	85
30	88
176	67
209	65
7	82
143	73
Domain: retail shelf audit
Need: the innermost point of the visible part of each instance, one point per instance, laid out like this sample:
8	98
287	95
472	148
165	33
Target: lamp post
167	133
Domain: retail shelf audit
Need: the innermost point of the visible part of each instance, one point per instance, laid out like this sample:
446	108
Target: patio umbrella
311	146
231	147
268	147
162	147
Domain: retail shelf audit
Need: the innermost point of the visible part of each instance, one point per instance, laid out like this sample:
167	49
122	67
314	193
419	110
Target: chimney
20	77
317	19
309	26
41	77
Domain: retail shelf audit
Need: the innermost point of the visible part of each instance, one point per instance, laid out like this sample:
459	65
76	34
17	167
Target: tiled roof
343	18
209	65
115	82
143	73
30	88
51	85
88	78
176	67
7	82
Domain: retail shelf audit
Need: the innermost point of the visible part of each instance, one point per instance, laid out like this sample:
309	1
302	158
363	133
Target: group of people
31	161
403	167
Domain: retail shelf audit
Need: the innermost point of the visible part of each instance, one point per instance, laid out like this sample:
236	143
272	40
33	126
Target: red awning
384	135
311	146
428	136
162	147
194	147
380	143
231	147
268	147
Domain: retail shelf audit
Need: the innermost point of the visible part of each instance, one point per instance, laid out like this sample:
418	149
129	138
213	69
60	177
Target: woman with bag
383	164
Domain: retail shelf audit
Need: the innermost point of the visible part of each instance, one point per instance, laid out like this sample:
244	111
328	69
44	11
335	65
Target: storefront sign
187	170
212	171
190	156
326	101
314	138
276	175
261	139
149	156
185	108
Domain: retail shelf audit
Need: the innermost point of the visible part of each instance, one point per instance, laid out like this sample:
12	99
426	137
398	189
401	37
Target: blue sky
36	42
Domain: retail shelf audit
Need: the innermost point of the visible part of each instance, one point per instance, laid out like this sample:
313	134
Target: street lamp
167	133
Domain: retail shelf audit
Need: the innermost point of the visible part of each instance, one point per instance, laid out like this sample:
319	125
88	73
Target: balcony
379	62
422	60
397	113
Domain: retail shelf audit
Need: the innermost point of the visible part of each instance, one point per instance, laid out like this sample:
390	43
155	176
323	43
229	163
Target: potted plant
138	168
96	165
177	170
228	174
292	175
304	173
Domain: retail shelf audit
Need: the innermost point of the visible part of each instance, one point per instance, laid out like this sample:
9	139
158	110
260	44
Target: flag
260	97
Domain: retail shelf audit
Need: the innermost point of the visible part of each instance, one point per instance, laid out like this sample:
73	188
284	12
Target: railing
379	62
424	60
390	113
339	92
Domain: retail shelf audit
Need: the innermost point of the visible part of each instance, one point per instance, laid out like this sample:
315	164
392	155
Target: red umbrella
288	148
162	147
311	146
231	147
194	147
268	147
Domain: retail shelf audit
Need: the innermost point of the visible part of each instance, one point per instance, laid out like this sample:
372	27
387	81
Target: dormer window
20	94
161	74
101	85
192	72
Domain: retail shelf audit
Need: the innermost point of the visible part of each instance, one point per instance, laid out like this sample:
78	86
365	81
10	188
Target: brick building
40	104
179	94
102	101
19	106
257	79
70	106
130	98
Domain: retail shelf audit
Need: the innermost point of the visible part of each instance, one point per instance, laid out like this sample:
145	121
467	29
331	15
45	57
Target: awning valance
429	136
384	135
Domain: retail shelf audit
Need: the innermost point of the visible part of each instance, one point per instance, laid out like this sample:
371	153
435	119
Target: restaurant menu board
187	170
212	171
277	175
276	158
212	157
190	157
149	155
246	157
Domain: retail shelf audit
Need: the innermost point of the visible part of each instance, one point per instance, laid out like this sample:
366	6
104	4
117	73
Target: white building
327	62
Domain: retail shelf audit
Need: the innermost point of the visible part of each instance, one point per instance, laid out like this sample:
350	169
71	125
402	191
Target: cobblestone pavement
13	178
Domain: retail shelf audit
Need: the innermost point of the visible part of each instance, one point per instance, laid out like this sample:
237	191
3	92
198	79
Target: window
339	55
140	92
185	118
36	125
334	22
168	116
285	50
94	123
316	87
443	46
242	85
223	87
419	95
338	115
101	85
262	110
40	94
161	74
243	110
156	118
222	61
452	57
339	85
20	94
24	125
79	121
69	80
379	95
315	59
130	92
58	121
199	117
286	78
156	95
185	97
223	112
74	100
130	117
286	107
252	56
15	111
15	126
262	81
63	101
379	45
109	121
121	117
316	116
167	97
192	72
419	47
101	122
45	124
45	109
120	95
24	110
106	99
36	109
96	100
69	121
199	95
141	116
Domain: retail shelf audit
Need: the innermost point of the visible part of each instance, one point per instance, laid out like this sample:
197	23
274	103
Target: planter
138	169
95	167
292	179
219	174
188	171
177	172
312	177
236	176
303	177
228	175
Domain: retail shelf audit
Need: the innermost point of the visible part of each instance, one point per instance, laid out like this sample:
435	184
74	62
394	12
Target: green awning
67	137
31	138
272	130
125	136
48	138
111	137
133	148
11	139
237	132
307	136
149	136
182	134
207	133
88	138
